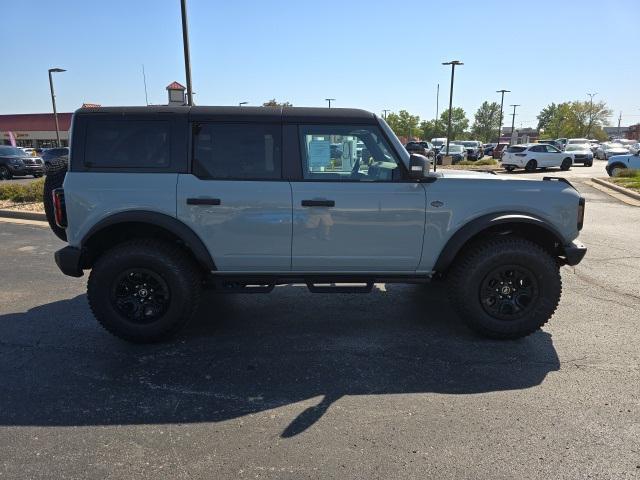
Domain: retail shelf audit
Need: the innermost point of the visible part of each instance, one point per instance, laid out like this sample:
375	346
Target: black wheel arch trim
478	225
161	220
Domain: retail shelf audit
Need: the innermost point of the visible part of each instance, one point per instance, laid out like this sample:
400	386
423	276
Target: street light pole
242	103
330	100
513	121
453	64
503	91
53	102
384	113
591	95
187	56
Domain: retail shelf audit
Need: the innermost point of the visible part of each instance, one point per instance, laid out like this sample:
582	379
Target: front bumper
68	261
21	170
574	253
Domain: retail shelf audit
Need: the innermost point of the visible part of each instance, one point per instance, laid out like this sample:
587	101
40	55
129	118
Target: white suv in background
535	155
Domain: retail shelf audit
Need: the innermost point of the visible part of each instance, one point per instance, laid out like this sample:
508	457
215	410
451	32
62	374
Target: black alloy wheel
140	295
508	292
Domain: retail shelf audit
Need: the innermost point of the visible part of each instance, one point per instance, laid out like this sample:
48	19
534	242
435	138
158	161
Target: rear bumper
68	261
574	253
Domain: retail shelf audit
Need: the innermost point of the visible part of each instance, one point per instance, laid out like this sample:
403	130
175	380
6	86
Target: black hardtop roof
235	113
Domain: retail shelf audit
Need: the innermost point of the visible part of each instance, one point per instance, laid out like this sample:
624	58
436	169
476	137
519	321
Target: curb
22	215
617	188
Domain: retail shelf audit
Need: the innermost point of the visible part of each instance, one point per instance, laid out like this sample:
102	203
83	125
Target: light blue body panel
466	196
250	231
92	197
374	227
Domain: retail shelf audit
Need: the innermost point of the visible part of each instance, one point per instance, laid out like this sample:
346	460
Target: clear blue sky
370	54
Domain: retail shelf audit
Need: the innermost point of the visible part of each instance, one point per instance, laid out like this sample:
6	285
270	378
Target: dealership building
34	129
38	130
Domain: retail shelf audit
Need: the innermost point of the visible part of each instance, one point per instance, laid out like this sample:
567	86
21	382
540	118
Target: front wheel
505	288
509	168
5	174
144	290
617	169
566	164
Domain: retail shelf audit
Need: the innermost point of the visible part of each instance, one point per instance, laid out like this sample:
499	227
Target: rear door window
237	151
127	144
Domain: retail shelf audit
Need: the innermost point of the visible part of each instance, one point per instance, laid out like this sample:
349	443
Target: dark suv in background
54	155
474	148
421	148
16	162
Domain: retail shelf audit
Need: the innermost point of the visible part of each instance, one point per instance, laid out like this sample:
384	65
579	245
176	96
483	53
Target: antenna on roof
144	80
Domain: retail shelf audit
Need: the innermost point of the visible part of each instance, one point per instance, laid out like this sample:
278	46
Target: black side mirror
418	166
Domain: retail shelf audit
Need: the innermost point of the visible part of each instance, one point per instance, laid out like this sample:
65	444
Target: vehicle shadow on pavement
247	354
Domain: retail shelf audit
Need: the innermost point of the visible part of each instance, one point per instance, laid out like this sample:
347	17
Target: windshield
437	142
397	146
579	141
12	151
470	144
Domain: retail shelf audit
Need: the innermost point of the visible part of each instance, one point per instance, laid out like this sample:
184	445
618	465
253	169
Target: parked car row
20	162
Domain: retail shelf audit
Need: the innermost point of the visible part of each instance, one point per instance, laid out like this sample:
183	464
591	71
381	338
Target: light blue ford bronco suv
161	202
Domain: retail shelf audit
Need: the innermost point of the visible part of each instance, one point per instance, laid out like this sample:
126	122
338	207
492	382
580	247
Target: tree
274	103
432	129
459	121
546	116
404	124
486	121
574	119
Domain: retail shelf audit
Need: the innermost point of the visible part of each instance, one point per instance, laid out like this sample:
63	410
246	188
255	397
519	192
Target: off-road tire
474	265
54	179
531	166
566	164
616	168
5	174
171	263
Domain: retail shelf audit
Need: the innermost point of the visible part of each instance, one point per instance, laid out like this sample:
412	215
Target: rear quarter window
516	149
127	144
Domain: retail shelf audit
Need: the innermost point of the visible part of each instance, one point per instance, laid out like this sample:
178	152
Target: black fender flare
485	222
161	220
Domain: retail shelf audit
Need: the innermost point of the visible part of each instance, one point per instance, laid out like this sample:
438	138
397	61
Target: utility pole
513	122
242	103
185	45
619	120
330	100
53	102
144	80
503	91
591	95
453	64
384	113
437	102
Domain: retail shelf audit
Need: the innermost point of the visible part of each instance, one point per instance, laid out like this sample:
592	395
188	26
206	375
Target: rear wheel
566	164
144	291
505	287
531	166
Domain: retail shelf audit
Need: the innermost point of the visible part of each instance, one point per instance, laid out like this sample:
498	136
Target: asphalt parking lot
296	385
